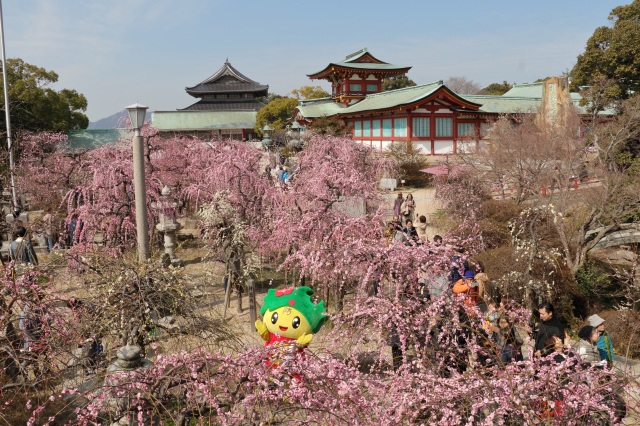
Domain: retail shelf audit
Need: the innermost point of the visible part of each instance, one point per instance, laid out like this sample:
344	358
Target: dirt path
426	204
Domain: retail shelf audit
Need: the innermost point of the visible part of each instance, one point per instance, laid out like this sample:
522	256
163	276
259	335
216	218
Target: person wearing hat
604	343
467	285
586	347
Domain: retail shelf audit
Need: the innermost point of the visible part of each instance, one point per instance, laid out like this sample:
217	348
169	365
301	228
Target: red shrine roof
360	60
227	80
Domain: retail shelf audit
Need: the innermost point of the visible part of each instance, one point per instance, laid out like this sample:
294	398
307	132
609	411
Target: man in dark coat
550	325
21	250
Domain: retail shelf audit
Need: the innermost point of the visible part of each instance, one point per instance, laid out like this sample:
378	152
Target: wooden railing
573	184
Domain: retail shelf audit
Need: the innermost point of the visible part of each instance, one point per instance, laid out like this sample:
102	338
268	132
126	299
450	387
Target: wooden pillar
454	131
432	132
409	130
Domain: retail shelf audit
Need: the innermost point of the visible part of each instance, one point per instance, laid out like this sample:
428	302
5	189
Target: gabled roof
362	59
316	108
392	99
407	97
227	79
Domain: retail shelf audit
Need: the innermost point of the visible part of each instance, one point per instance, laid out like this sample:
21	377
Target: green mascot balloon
290	318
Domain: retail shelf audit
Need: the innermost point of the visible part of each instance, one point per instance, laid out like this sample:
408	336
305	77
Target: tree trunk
239	290
227	295
325	296
237	273
251	294
340	293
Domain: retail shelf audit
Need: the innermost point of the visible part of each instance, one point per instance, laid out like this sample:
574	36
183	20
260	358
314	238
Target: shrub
595	282
501	211
408	160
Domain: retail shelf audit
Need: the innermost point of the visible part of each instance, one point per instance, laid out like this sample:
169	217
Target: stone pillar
142	223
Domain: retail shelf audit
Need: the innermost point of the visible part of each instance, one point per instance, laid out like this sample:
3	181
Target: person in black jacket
411	232
21	250
549	325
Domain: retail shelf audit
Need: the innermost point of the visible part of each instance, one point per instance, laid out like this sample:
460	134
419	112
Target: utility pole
14	196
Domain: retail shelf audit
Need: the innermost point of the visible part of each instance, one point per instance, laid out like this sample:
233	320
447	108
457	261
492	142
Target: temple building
430	116
357	76
228	102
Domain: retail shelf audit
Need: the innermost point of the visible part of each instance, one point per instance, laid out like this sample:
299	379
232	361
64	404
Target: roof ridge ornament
364	49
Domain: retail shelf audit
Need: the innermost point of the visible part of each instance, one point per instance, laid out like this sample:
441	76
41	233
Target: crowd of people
594	346
414	229
503	338
544	336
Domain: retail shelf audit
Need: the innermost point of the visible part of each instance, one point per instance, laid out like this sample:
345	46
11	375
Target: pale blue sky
97	45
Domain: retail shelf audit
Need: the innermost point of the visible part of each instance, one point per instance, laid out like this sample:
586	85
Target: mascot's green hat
298	298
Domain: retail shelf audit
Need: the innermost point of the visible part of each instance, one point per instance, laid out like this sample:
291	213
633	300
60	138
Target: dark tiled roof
227	79
218	105
205	89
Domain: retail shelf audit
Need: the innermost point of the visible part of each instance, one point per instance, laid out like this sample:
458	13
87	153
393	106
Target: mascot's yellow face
286	322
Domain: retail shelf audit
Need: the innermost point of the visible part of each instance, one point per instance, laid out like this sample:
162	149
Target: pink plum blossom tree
448	372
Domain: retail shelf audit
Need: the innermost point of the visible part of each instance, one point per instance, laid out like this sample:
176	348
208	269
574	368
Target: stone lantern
266	139
128	359
295	135
167	209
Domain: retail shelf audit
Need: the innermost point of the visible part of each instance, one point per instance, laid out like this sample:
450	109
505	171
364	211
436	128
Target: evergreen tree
396	82
612	54
496	89
310	92
35	106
